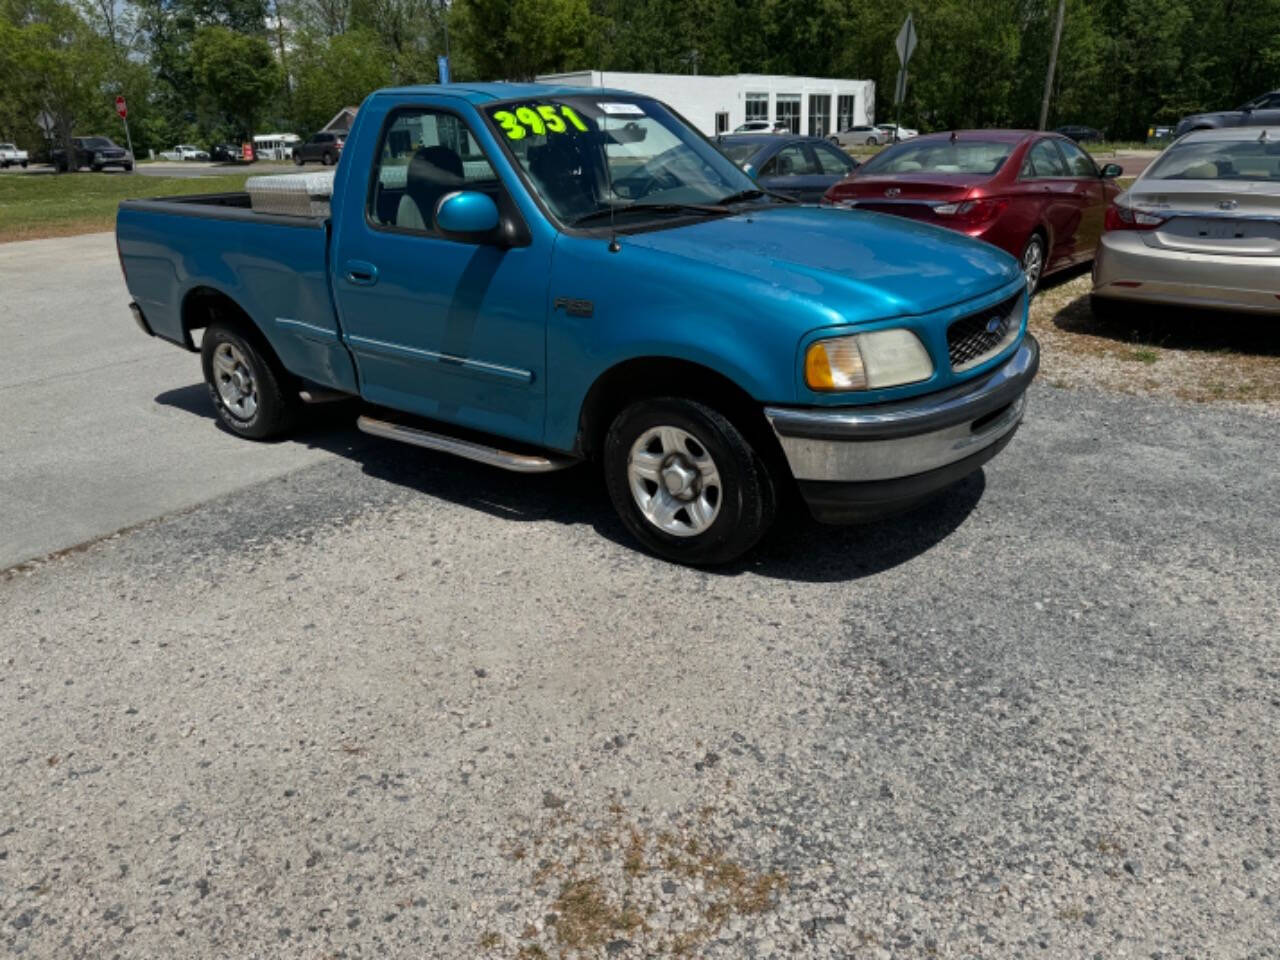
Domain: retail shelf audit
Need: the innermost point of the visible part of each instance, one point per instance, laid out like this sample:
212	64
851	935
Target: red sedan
1037	195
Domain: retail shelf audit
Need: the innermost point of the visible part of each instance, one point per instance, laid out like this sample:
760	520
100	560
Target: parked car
11	156
711	346
800	167
226	153
861	135
1258	112
1200	226
762	126
97	153
325	147
896	134
1036	195
1081	134
184	151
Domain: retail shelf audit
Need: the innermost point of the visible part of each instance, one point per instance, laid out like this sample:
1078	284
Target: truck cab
537	277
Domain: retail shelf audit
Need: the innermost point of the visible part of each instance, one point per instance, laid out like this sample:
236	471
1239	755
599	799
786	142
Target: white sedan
184	151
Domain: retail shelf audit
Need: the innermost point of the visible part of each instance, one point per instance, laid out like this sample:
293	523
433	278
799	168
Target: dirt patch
1195	355
622	884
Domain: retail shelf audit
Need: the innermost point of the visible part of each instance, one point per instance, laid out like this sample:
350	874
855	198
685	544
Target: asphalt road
103	427
377	702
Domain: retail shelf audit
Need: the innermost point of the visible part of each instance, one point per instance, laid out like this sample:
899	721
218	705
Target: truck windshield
97	143
585	154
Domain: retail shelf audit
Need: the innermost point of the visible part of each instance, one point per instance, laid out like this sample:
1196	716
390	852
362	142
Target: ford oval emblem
994	324
893	191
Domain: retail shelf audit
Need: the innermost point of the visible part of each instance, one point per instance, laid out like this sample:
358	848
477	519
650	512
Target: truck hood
857	265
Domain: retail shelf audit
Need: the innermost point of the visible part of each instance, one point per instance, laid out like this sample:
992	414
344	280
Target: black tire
746	497
95	168
872	142
327	159
24	164
276	407
128	168
1037	241
297	159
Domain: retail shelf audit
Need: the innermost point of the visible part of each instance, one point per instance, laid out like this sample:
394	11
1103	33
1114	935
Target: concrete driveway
103	427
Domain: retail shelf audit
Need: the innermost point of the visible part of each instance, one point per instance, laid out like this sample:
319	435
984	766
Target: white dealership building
817	106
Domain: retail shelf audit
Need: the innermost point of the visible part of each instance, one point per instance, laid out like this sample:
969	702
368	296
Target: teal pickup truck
534	276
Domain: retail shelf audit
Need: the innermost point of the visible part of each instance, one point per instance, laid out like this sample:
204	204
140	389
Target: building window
722	122
757	106
789	110
819	114
846	106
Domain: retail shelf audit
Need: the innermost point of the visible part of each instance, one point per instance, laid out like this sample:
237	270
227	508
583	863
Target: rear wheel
872	142
1033	257
686	482
297	159
247	385
327	159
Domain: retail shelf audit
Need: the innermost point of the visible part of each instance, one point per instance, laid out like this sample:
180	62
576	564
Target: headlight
867	361
98	156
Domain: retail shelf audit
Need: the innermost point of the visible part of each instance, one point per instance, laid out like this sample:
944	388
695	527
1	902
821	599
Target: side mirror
467	215
1112	170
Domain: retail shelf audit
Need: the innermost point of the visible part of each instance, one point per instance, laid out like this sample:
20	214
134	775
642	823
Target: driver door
450	330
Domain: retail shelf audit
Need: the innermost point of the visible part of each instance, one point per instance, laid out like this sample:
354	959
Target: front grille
977	338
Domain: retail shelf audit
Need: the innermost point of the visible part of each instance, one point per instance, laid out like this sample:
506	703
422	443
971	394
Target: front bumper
1126	267
858	463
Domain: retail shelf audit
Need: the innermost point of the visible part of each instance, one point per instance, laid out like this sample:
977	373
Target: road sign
45	121
900	88
906	42
122	108
442	67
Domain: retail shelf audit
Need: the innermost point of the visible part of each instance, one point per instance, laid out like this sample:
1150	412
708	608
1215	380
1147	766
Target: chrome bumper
872	444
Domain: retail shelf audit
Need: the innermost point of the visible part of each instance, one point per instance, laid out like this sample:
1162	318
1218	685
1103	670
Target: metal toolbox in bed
292	194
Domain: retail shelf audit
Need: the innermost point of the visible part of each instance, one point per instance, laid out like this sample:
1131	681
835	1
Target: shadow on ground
798	548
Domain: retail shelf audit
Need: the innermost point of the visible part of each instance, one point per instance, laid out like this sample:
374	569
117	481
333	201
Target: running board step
517	462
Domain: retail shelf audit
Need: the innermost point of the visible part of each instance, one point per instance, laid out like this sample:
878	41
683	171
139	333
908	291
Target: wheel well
644	377
204	305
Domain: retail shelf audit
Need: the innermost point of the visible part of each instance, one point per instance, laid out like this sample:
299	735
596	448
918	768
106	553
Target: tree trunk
66	130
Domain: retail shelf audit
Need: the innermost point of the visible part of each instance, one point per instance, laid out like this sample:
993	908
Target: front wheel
1033	256
246	385
686	482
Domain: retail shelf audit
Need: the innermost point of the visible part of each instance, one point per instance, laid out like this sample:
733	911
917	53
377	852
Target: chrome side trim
517	462
466	363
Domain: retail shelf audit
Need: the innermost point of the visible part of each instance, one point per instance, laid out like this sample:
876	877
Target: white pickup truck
184	151
10	155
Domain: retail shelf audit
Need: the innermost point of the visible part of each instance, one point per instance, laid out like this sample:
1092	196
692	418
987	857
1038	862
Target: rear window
940	156
1219	160
739	153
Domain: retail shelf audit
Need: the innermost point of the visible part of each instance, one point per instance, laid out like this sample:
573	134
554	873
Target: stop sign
121	108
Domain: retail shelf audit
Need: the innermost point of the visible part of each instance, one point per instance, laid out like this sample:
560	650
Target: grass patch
48	205
1199	355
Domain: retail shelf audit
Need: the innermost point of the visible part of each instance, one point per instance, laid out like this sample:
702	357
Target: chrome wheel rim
1032	264
674	481
234	381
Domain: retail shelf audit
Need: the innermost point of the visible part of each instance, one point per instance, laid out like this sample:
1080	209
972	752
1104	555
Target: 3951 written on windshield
539	119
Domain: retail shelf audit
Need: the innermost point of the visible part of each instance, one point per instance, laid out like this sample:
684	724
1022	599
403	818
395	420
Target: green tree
518	39
333	72
236	74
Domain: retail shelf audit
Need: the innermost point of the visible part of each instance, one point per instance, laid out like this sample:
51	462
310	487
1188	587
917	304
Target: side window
831	160
1079	163
791	161
423	155
1044	160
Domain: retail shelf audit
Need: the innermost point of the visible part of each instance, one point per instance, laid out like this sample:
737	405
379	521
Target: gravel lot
393	704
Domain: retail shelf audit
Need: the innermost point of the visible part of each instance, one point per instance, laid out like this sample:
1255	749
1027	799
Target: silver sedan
1200	227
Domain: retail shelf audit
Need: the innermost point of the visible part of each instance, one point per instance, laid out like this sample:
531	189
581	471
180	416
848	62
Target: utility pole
1053	64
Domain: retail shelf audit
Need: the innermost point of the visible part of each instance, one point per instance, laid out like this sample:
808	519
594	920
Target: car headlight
98	156
867	361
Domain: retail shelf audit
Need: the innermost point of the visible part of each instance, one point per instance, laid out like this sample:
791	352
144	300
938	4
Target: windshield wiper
754	193
605	212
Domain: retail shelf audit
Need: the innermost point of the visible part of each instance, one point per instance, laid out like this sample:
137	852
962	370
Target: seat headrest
435	166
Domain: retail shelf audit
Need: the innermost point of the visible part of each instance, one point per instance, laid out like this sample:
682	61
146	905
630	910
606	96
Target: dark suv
1263	111
325	146
95	153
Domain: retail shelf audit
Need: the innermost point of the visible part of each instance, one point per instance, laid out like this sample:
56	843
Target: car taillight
972	211
1120	217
